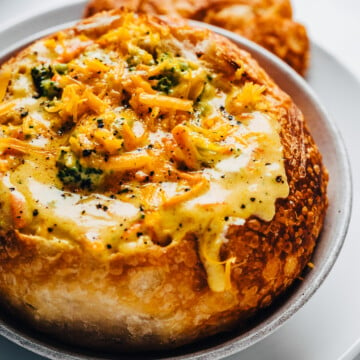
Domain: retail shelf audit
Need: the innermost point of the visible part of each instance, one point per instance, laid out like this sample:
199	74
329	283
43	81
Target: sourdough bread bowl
156	187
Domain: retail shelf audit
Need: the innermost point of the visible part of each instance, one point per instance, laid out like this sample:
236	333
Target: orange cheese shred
182	136
196	190
95	65
6	107
5	76
12	144
126	162
166	102
140	83
94	102
130	140
71	100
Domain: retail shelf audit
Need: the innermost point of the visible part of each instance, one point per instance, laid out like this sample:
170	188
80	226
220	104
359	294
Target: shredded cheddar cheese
5	76
6	107
166	102
12	144
248	98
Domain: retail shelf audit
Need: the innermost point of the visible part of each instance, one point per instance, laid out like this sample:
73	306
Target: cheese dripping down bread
156	186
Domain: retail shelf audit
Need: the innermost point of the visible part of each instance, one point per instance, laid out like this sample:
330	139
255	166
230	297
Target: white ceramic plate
318	79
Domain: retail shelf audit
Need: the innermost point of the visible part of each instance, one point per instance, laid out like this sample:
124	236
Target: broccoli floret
41	76
73	174
61	68
170	76
51	89
166	81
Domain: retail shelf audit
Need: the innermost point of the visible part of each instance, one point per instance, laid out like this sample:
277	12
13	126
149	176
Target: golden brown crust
266	22
161	298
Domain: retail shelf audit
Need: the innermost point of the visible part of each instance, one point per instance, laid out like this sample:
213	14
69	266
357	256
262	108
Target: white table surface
317	331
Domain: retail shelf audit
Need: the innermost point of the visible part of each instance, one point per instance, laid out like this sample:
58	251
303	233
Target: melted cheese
144	146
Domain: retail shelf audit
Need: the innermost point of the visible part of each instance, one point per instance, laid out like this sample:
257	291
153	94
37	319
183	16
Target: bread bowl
53	278
269	23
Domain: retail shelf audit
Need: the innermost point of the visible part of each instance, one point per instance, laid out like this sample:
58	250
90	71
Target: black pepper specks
102	206
24	113
87	152
100	123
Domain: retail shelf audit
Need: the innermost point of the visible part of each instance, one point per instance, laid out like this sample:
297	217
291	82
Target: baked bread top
267	22
154	168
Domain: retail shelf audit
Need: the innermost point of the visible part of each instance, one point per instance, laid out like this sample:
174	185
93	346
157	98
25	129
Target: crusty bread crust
160	298
266	22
